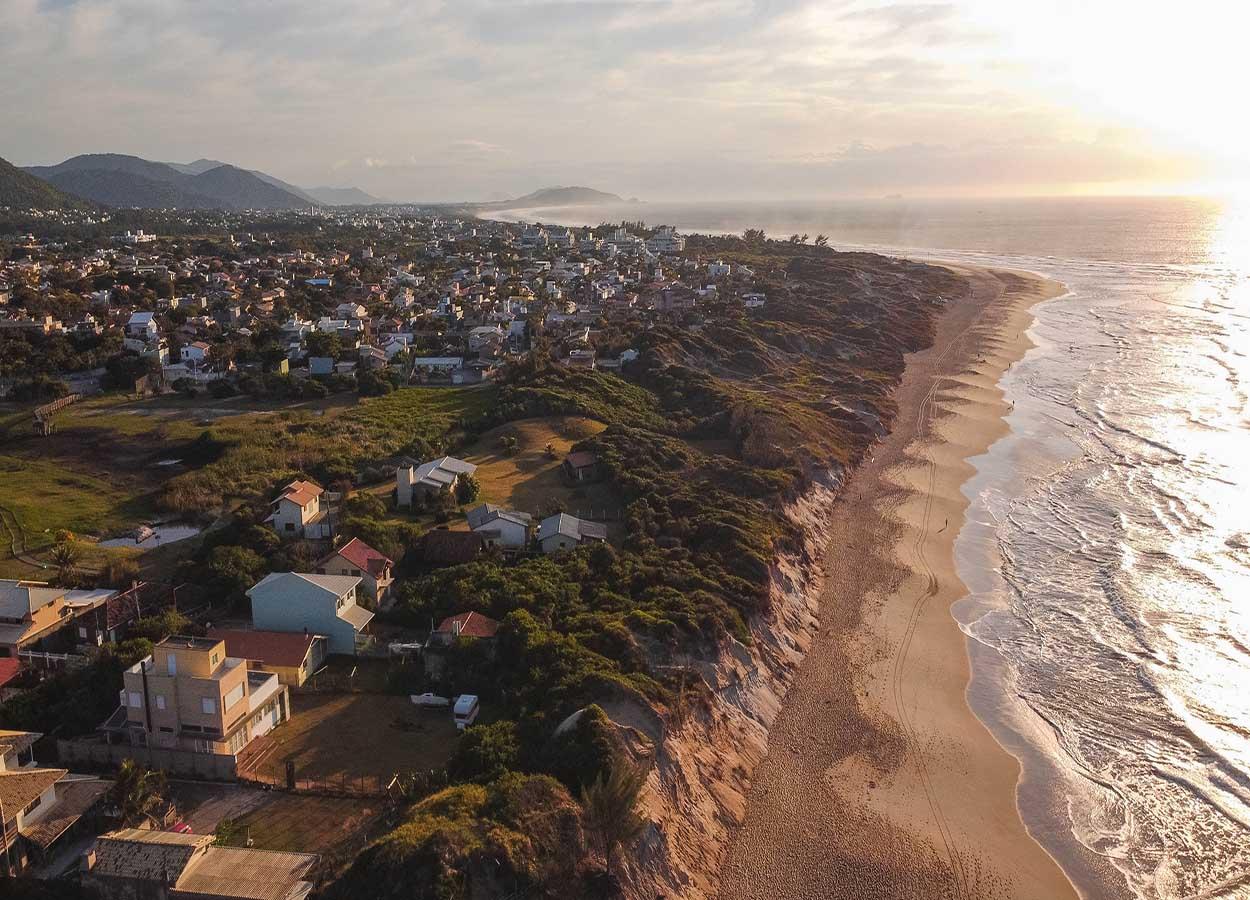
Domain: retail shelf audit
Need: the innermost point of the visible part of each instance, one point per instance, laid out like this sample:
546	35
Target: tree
235	569
467	489
65	557
486	752
609	809
321	343
137	793
822	240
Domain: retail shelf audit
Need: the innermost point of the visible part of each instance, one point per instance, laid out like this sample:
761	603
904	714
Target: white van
466	710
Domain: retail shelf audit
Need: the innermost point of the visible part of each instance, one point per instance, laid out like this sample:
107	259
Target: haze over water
1108	544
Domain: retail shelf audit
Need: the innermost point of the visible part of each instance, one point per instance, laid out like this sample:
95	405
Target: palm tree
822	240
608	809
803	239
137	793
65	557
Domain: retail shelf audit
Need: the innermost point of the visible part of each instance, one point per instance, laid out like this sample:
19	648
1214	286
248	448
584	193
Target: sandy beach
879	781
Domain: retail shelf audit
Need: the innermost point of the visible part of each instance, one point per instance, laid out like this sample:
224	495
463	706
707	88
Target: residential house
375	569
195	354
581	465
564	532
292	656
499	527
165	865
191	695
142	325
39	807
430	478
299	512
465	626
316	604
32	611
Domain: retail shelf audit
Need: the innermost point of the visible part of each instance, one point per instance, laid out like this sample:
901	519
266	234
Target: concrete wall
96	754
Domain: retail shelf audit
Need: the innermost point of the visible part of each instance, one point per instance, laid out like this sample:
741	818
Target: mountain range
21	190
117	180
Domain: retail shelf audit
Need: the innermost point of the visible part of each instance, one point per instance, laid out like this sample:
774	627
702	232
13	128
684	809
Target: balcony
261	688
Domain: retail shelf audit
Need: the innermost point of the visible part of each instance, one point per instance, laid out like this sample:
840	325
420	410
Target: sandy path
880	782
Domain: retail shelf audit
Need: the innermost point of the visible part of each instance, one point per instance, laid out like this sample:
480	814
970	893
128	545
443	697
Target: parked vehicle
466	710
430	700
181	827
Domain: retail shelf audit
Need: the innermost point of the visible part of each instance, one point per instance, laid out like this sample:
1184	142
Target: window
213	660
82	632
160	701
34	804
135	700
233	697
289	526
166	729
171	664
208	706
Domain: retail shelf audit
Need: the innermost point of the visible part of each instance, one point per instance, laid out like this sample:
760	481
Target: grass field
529	479
46	495
352	736
98	474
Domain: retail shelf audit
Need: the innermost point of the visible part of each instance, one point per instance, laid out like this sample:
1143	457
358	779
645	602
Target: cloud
447	99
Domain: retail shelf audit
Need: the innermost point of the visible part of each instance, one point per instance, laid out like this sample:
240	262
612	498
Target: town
309	516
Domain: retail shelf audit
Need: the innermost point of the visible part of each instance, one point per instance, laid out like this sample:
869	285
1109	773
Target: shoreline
879	780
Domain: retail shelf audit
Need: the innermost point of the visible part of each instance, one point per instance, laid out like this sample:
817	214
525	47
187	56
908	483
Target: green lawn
47	496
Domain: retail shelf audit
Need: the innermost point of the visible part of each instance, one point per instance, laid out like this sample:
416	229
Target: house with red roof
374	568
300	512
292	656
472	626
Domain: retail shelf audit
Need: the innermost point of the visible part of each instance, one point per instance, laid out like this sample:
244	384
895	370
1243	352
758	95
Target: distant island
555	196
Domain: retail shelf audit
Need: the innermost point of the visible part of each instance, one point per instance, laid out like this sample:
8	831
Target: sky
660	99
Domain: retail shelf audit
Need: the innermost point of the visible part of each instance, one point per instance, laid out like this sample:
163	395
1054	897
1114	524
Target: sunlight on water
1108	545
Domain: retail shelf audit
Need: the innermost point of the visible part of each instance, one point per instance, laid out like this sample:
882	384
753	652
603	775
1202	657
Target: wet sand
879	780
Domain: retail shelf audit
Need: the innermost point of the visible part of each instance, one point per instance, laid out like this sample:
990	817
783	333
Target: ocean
1107	547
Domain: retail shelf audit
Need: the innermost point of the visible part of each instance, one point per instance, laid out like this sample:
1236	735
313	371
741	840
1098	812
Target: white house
195	353
564	532
666	240
295	602
298	512
142	325
350	311
432	477
718	269
500	527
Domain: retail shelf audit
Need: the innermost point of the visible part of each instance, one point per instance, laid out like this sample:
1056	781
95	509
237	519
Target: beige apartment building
189	695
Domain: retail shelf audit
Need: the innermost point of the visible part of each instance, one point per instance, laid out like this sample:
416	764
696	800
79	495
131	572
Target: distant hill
117	180
349	196
21	190
558	196
323	196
